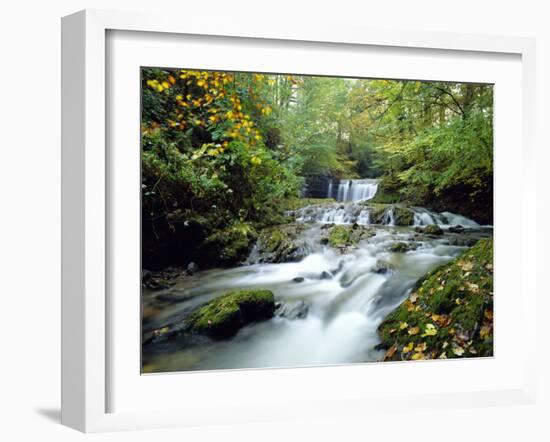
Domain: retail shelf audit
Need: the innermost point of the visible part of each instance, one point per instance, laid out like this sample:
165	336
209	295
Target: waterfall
355	190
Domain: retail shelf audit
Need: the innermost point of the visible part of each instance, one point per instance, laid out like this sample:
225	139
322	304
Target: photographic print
292	220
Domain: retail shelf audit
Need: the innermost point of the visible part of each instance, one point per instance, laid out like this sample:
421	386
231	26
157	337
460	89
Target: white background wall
30	214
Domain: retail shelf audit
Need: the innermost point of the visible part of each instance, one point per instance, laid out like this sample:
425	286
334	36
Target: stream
329	304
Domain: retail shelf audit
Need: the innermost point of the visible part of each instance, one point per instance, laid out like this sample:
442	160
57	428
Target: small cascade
424	217
454	219
364	217
389	218
336	216
361	213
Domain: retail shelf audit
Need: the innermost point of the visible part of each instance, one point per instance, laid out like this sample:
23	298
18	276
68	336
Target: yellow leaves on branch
211	98
159	86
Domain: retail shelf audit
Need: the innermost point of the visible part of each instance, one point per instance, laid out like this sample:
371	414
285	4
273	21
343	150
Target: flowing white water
338	305
350	213
355	190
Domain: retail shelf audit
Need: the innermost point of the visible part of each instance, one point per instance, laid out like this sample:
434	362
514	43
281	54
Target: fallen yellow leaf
421	348
484	332
459	351
430	330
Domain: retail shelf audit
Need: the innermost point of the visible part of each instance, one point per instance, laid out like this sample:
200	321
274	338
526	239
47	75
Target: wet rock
298	279
161	334
327	226
403	216
342	236
463	242
325	275
433	229
338	269
401	247
146	276
324	241
456	229
377	213
382	267
156	283
281	244
297	310
223	317
192	268
171	298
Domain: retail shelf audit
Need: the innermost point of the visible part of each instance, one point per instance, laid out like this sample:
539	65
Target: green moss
403	216
224	316
280	243
401	247
376	212
231	244
345	236
433	229
388	191
298	203
386	197
454	300
340	236
273	239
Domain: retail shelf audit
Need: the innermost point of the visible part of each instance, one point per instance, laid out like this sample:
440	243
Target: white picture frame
86	357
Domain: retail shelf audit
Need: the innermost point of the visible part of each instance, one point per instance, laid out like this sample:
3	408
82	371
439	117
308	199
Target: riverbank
448	314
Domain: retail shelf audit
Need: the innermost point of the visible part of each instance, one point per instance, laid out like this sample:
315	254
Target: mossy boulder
281	243
433	229
377	212
341	236
448	314
223	317
231	244
403	216
401	247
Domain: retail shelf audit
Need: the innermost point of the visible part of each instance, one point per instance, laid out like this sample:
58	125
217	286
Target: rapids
331	317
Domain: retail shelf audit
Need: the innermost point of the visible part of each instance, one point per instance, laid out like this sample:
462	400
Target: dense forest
299	220
225	154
